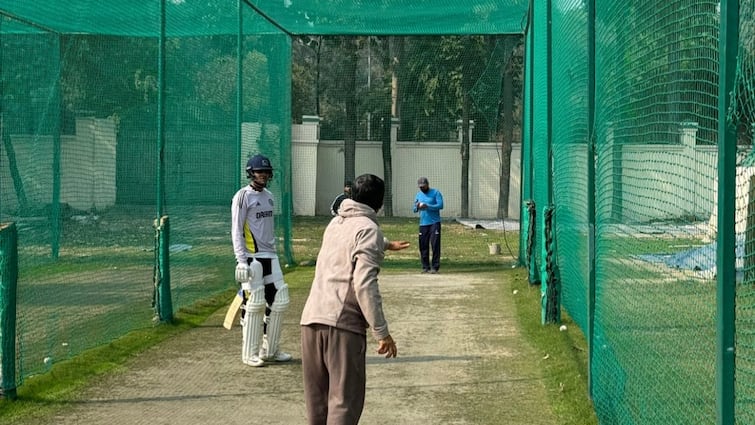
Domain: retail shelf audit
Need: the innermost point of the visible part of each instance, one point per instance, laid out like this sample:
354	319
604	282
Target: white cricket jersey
252	224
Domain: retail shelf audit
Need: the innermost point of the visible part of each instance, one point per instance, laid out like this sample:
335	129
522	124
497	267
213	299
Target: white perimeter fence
680	178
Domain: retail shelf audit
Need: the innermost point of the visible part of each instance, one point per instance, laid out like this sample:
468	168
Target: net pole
239	91
547	296
164	297
8	287
56	116
726	235
161	114
591	191
525	170
164	304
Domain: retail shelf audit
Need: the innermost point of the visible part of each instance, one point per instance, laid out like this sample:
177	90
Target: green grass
649	245
563	355
464	249
41	394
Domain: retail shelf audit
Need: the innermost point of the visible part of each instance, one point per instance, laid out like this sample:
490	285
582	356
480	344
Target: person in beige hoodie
344	301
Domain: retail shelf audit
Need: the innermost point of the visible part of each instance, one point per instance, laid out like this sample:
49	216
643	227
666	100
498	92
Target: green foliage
216	83
432	74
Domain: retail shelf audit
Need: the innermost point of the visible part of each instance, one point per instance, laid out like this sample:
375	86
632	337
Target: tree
428	83
394	60
305	75
511	71
470	52
216	85
350	59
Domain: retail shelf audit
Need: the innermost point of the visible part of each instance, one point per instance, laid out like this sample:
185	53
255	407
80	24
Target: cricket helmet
258	163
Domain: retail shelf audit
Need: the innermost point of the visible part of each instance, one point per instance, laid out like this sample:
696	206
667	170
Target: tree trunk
318	55
395	50
387	166
18	183
465	155
350	98
506	135
396	62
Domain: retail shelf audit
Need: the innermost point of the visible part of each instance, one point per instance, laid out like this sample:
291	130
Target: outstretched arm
396	245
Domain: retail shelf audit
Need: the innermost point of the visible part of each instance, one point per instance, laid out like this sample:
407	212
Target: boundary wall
87	167
661	171
319	170
88	164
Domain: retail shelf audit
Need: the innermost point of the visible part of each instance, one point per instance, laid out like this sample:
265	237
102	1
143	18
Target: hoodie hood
352	208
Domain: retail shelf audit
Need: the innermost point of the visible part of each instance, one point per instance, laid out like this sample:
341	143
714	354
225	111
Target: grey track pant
333	366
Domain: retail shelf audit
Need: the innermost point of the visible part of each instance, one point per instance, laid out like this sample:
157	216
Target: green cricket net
114	117
125	128
630	177
100	141
655	174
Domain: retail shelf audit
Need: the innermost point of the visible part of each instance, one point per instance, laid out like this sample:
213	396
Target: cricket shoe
279	356
254	361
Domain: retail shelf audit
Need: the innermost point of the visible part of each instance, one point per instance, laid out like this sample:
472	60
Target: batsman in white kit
263	295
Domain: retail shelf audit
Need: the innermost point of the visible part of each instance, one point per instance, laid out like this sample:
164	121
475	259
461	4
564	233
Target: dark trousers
429	238
334	370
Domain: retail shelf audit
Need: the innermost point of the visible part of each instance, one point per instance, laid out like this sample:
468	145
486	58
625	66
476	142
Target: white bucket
495	248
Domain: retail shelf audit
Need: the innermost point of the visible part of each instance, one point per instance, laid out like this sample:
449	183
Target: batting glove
242	273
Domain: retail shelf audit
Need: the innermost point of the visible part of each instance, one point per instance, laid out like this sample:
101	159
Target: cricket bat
234	311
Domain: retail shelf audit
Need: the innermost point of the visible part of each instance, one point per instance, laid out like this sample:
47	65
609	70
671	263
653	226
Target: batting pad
251	332
275	322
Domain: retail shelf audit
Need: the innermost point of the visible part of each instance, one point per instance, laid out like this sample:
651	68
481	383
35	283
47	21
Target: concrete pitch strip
444	335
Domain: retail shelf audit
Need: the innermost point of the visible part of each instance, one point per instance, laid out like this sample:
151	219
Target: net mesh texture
618	114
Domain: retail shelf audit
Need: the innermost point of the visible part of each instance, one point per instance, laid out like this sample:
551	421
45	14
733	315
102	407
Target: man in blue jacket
428	203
